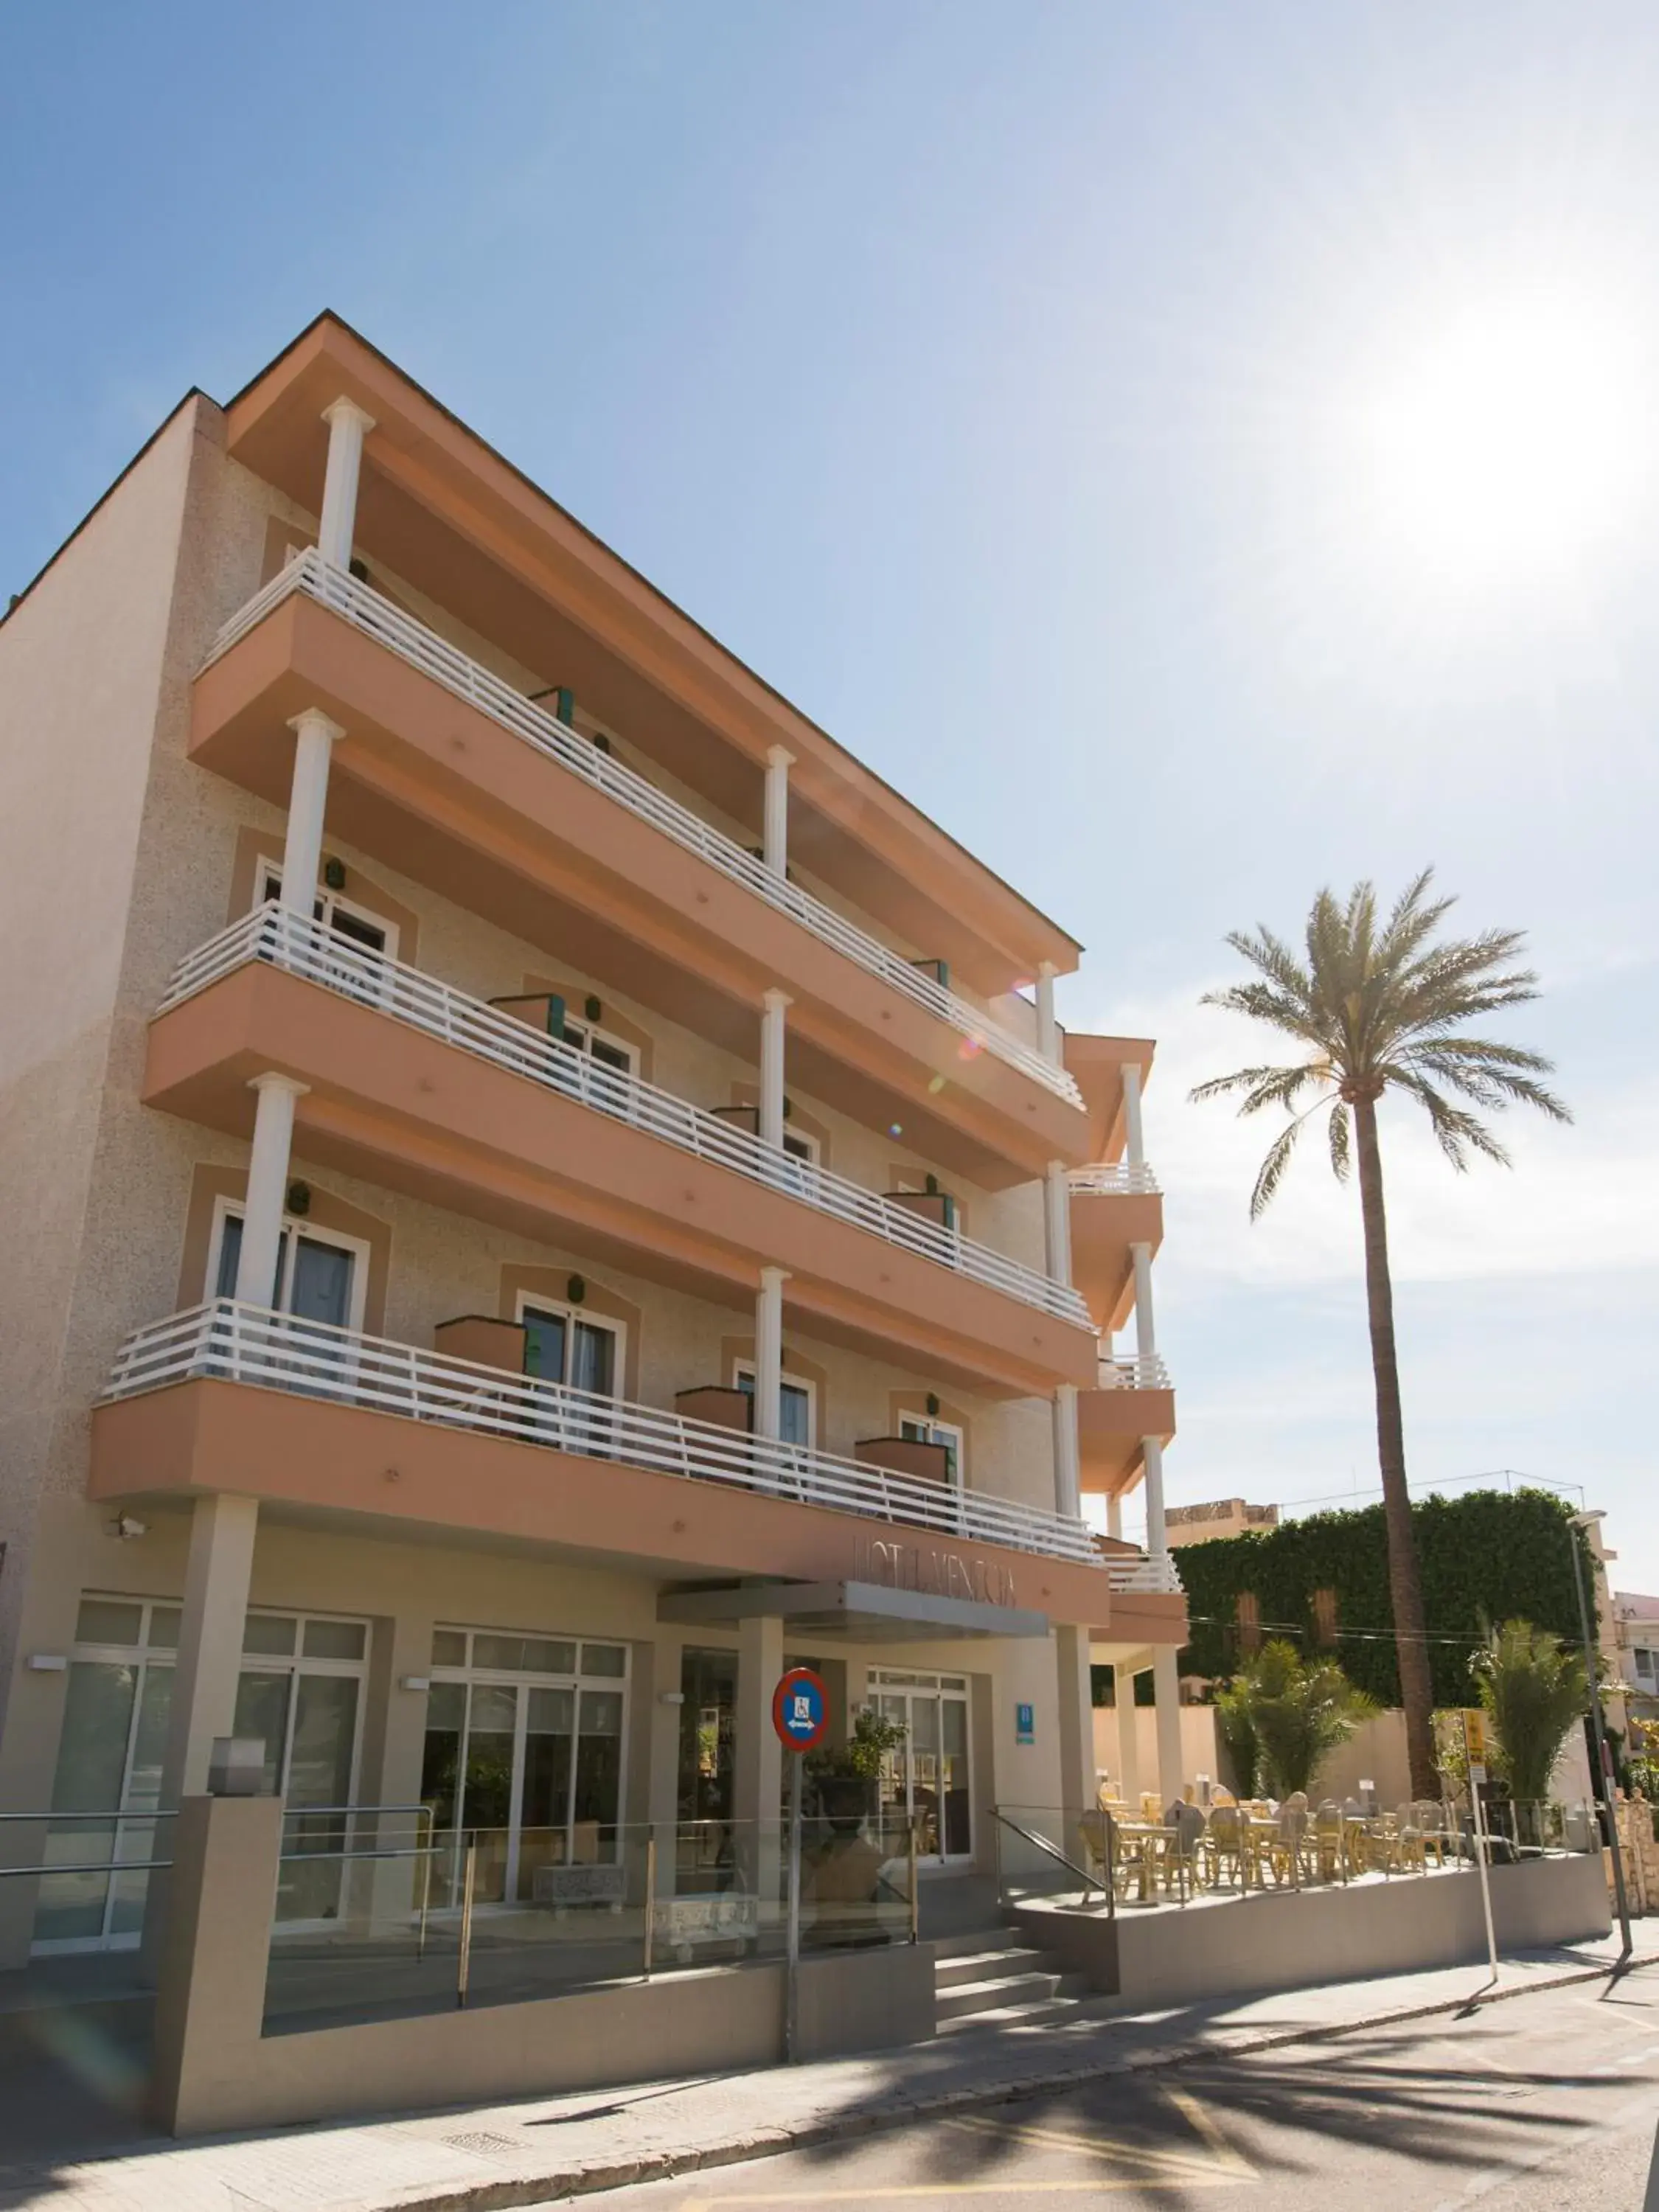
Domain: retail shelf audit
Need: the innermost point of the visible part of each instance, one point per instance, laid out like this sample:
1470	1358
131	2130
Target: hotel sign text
932	1572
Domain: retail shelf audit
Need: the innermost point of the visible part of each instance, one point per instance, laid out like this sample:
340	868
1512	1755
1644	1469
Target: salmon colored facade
547	1191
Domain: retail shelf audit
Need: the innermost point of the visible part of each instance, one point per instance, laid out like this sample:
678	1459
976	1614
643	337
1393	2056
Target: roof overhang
858	1612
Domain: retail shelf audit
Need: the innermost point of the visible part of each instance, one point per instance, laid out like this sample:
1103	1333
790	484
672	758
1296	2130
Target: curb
596	2176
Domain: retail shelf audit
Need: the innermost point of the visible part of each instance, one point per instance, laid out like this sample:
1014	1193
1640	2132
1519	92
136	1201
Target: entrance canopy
861	1613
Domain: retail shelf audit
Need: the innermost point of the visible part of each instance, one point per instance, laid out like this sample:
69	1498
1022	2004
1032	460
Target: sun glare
1508	440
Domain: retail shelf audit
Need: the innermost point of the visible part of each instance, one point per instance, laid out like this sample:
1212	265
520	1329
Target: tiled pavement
553	2148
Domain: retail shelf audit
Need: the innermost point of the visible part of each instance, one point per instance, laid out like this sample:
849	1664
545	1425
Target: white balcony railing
225	1342
1142	1571
307	949
423	649
1140	1373
1120	1181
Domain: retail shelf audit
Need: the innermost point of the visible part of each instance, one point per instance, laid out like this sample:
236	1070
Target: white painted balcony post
307	801
348	426
217	1572
1068	1478
774	835
1146	1334
1134	1151
267	1188
774	1007
1114	1517
1158	1535
769	1353
1166	1698
1057	1222
1048	1028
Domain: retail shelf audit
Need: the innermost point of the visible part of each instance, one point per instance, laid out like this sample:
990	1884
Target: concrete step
996	1993
988	1965
1052	2012
968	1941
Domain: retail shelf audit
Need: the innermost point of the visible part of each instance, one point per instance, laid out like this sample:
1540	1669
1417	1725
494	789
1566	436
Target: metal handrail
225	1340
103	1866
1053	1851
378	617
131	1814
272	936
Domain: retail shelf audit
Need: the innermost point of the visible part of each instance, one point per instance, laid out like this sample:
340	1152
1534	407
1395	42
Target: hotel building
541	1191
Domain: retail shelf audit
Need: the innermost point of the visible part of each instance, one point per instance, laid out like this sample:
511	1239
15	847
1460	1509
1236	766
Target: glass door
584	1354
299	1694
927	1781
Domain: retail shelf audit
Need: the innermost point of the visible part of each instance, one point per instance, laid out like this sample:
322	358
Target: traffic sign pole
801	1716
1477	1774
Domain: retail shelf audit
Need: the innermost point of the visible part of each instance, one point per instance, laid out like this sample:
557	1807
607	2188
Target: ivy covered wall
1488	1551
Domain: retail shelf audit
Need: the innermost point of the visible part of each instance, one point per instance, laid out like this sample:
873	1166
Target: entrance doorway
525	1745
927	1780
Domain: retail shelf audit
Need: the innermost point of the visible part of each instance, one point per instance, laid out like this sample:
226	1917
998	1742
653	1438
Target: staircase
992	1978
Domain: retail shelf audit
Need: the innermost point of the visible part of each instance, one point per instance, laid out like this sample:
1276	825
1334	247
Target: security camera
126	1526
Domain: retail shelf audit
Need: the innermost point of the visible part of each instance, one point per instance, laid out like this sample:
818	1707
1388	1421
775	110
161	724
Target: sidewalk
527	2152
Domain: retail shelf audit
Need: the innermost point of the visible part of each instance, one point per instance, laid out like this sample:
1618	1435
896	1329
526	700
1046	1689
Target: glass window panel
924	1723
270	1636
334	1639
448	1647
597	1789
612	1055
593	1359
164	1621
605	1659
954	1712
321	1289
262	1712
796	1411
709	1685
108	1620
150	1743
552	1712
542	1656
544	1336
318	1773
494	1707
230	1252
91	1750
504	1653
445	1705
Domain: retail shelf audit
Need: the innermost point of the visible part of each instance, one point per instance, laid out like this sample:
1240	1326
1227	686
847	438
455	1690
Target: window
1645	1670
529	1765
915	1430
798	1410
800	1146
566	1345
342	916
599	1044
322	1275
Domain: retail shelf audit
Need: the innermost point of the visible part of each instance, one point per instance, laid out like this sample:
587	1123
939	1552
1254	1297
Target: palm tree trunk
1404	1581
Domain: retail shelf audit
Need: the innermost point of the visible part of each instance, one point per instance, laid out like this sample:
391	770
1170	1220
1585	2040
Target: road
1537	2104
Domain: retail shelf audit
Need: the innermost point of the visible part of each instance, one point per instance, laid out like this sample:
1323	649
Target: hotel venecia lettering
934	1573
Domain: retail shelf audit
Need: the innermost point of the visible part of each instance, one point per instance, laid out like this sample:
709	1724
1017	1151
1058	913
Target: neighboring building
1227	1516
1636	1636
537	1194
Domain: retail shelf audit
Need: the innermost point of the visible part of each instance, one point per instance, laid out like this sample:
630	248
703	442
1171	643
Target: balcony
1114	1207
443	773
318	1419
1132	1399
473	1107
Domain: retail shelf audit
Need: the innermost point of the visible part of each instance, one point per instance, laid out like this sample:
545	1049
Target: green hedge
1489	1552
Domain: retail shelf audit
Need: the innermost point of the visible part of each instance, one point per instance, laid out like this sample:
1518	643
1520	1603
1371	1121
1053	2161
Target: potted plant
845	1775
1298	1712
1534	1692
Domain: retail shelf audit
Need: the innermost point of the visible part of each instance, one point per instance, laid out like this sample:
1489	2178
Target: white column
307	800
1057	1221
774	835
757	1779
1048	1028
1158	1535
218	1575
1114	1517
1146	1334
348	426
1077	1781
774	1007
1068	1477
769	1353
267	1187
1166	1689
1128	1741
1134	1149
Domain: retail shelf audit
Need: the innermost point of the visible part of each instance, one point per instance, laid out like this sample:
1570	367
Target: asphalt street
1535	2103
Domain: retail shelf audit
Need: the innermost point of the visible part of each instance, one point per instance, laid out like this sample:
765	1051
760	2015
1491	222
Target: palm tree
1297	1712
1380	1005
1536	1694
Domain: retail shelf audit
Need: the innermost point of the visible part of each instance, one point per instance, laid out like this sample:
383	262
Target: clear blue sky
1196	452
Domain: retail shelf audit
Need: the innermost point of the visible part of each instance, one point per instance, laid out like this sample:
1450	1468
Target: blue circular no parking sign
800	1710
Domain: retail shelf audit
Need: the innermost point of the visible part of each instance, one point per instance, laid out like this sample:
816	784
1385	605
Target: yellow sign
1474	1734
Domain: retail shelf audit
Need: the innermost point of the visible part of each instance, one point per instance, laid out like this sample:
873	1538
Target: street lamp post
1577	1522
